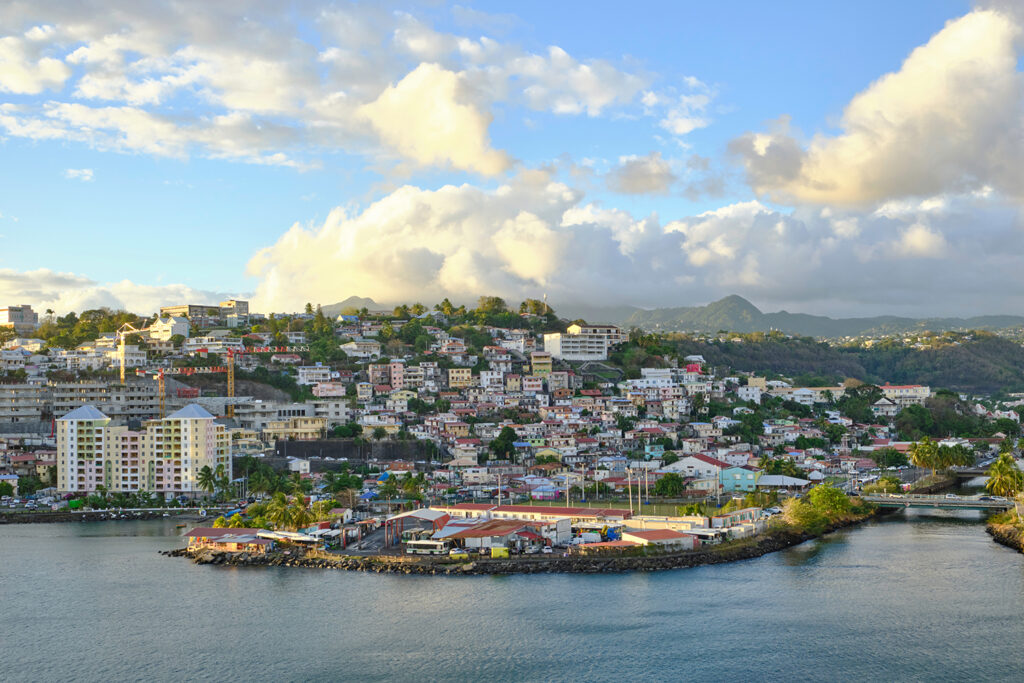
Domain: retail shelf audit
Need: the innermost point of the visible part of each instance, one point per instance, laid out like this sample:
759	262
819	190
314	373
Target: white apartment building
612	334
576	347
310	375
906	394
165	328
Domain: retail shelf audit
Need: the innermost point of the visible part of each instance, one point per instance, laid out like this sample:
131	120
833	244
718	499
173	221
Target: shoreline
1006	535
61	516
743	549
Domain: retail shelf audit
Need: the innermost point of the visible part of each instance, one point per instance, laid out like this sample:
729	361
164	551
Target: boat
179	526
202	513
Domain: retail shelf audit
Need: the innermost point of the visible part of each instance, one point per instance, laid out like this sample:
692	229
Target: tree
829	500
206	480
379	433
6	489
220	522
670	485
925	454
1004	477
888	457
503	446
278	512
803	516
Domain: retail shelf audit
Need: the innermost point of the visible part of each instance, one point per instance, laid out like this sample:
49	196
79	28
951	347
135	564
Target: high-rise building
22	318
164	457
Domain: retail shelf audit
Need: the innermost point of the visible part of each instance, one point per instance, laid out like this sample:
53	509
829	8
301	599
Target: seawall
745	549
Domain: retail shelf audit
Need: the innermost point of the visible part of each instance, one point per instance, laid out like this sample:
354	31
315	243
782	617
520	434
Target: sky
832	158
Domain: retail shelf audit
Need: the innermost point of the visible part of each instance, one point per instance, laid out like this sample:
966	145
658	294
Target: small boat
202	513
179	526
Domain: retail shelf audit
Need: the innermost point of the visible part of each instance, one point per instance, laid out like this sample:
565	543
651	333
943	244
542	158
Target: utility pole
629	487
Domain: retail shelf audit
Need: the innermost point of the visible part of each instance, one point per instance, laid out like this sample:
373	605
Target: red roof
709	460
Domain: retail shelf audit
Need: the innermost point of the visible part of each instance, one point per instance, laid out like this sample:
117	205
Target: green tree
206	479
829	500
803	516
924	454
1004	477
220	522
670	485
6	489
503	445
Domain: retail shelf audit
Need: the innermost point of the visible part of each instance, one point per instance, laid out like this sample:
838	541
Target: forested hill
736	314
986	364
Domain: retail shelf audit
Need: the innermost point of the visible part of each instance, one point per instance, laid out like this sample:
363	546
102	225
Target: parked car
547	550
952	496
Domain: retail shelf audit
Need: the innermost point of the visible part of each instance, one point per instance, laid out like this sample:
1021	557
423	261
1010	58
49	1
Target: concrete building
165	457
612	334
576	347
21	318
310	375
165	328
21	402
540	363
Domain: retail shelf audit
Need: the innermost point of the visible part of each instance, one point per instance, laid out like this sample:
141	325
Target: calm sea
911	598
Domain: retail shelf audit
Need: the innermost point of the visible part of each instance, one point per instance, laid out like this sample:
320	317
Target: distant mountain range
736	314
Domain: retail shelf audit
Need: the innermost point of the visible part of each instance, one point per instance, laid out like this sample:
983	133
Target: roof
84	413
211	532
780	480
191	412
656	534
494	527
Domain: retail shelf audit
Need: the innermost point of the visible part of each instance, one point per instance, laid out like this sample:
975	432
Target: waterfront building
20	318
165	457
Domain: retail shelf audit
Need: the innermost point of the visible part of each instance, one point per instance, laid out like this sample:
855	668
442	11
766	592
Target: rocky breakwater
745	549
1009	535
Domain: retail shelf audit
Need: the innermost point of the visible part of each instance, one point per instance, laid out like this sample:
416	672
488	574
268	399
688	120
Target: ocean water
914	597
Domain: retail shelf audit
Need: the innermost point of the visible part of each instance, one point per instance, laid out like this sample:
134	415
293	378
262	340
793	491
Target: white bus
428	547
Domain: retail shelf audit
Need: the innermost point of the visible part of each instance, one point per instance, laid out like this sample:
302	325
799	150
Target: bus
428	547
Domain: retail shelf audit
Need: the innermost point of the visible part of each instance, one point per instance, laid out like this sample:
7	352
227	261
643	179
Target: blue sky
836	158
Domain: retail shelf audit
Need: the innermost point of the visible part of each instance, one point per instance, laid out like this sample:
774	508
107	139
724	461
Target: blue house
741	479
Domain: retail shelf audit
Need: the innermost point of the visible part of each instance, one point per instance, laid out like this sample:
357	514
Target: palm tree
278	512
1004	477
206	480
924	453
301	517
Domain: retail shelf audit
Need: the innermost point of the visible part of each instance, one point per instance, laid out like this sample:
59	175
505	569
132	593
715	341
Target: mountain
356	302
736	314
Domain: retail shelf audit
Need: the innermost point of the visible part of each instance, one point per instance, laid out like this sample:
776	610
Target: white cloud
950	120
649	174
268	83
534	236
83	174
24	71
427	117
66	292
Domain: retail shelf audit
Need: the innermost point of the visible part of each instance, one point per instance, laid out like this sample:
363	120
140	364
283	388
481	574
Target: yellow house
458	429
540	363
403	394
297	428
460	378
549	452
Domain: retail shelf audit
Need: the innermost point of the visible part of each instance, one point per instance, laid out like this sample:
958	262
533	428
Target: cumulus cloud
950	120
267	83
649	174
65	292
533	236
83	174
24	71
428	117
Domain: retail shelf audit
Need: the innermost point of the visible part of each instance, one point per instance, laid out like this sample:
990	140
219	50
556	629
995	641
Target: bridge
969	472
915	500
